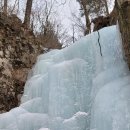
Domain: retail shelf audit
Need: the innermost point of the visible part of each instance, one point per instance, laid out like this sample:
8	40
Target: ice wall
76	89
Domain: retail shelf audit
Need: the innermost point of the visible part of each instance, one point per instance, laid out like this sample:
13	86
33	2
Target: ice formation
76	88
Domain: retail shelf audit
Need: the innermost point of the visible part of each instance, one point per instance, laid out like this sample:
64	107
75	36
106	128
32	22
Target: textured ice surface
76	89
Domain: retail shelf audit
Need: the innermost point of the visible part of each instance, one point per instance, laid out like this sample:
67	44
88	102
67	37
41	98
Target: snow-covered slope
76	89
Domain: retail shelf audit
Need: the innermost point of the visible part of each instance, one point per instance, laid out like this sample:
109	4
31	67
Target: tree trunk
87	20
106	6
123	7
28	13
88	24
5	6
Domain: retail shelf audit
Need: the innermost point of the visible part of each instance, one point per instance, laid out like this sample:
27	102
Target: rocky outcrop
18	51
104	21
123	7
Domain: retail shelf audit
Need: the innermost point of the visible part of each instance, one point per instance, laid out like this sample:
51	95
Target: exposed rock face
123	7
18	51
104	21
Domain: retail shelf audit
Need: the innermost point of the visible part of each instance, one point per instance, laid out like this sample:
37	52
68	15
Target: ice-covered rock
76	88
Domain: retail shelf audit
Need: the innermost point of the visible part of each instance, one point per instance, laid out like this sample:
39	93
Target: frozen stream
76	88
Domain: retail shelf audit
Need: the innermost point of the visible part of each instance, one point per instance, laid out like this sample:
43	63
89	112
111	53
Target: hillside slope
18	51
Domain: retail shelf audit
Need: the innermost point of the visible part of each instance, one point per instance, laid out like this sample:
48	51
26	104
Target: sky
64	9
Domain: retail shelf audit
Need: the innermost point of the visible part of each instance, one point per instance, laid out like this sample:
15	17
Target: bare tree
5	6
83	4
79	25
92	8
15	8
73	28
44	24
106	6
28	13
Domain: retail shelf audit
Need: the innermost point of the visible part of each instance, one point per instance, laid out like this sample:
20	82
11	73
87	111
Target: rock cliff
18	51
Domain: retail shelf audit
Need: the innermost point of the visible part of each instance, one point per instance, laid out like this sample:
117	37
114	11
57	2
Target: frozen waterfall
76	88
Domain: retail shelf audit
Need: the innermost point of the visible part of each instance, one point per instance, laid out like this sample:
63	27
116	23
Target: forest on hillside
43	17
